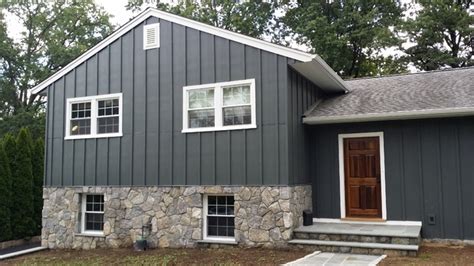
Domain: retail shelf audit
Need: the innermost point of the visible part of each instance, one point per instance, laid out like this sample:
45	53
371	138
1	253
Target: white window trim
342	187
204	221
94	107
218	105
83	216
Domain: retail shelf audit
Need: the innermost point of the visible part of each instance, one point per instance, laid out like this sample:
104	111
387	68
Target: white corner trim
390	222
401	115
93	99
218	106
342	188
233	36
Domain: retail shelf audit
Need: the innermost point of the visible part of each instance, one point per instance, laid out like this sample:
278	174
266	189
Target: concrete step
357	238
360	237
357	247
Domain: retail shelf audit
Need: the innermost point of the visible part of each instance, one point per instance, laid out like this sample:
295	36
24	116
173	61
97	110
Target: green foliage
442	35
5	196
346	33
54	33
9	145
35	122
38	174
252	18
22	188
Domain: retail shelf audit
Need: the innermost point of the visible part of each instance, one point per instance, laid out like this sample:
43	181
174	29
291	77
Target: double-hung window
219	106
92	214
94	117
219	217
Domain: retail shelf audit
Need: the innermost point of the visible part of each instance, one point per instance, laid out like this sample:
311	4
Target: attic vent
151	36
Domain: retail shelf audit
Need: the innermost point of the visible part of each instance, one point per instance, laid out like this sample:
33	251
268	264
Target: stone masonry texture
264	215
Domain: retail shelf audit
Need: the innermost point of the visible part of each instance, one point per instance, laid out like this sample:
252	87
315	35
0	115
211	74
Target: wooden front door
362	177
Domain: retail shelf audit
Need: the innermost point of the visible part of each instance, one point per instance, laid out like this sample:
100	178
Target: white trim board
21	252
401	115
314	61
390	222
342	193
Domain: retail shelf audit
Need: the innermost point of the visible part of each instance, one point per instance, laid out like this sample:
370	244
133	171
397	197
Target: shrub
38	174
22	188
5	196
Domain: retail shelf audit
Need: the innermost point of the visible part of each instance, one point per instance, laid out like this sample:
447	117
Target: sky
121	15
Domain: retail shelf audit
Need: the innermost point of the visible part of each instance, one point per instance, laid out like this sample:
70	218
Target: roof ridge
410	74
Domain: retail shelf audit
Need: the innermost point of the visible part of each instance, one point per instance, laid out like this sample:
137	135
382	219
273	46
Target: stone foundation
264	216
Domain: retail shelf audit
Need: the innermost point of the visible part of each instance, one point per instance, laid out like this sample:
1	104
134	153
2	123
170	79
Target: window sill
98	136
212	129
91	234
218	241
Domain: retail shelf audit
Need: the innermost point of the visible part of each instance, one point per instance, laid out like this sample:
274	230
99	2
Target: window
219	217
92	214
94	117
219	106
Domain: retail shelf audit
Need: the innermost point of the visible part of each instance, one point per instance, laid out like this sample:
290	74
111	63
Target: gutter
401	115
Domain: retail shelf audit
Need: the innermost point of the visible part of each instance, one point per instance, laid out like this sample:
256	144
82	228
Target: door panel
362	177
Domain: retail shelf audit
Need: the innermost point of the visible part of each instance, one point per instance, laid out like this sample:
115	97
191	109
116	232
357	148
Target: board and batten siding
302	94
429	171
153	151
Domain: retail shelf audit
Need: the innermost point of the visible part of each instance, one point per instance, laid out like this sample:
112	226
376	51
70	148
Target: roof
311	66
418	95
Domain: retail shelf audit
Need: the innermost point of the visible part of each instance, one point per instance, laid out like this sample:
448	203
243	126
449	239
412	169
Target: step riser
358	250
359	238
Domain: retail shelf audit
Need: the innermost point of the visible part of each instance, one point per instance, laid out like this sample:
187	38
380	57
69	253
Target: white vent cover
151	36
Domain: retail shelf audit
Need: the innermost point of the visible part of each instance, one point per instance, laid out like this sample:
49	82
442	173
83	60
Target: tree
38	174
22	188
443	35
252	18
5	196
55	32
346	33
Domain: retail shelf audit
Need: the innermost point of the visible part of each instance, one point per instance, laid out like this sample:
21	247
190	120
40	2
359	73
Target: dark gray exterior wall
429	169
302	95
153	151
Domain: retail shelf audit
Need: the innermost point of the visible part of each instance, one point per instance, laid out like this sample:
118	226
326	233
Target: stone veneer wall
264	216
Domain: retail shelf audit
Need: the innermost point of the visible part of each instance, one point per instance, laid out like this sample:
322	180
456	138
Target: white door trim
342	188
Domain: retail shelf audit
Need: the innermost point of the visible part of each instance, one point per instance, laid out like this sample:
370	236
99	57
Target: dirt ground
436	254
226	256
428	255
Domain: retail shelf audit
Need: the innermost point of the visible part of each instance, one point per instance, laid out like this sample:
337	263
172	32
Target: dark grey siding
429	171
302	95
153	151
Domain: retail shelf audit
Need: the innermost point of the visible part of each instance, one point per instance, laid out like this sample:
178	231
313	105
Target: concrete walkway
332	259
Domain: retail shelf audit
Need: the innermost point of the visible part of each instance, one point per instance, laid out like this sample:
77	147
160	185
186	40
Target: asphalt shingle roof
436	90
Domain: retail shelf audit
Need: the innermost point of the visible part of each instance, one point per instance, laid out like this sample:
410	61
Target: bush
38	174
5	196
22	188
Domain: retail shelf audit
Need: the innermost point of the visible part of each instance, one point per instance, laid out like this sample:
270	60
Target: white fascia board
321	74
402	115
237	37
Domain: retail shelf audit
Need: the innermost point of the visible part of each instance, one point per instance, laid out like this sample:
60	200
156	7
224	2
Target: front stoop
359	238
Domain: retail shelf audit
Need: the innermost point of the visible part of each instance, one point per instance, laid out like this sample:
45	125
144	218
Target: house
192	134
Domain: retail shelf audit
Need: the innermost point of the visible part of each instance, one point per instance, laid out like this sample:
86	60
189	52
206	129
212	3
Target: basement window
219	106
92	211
94	117
219	217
